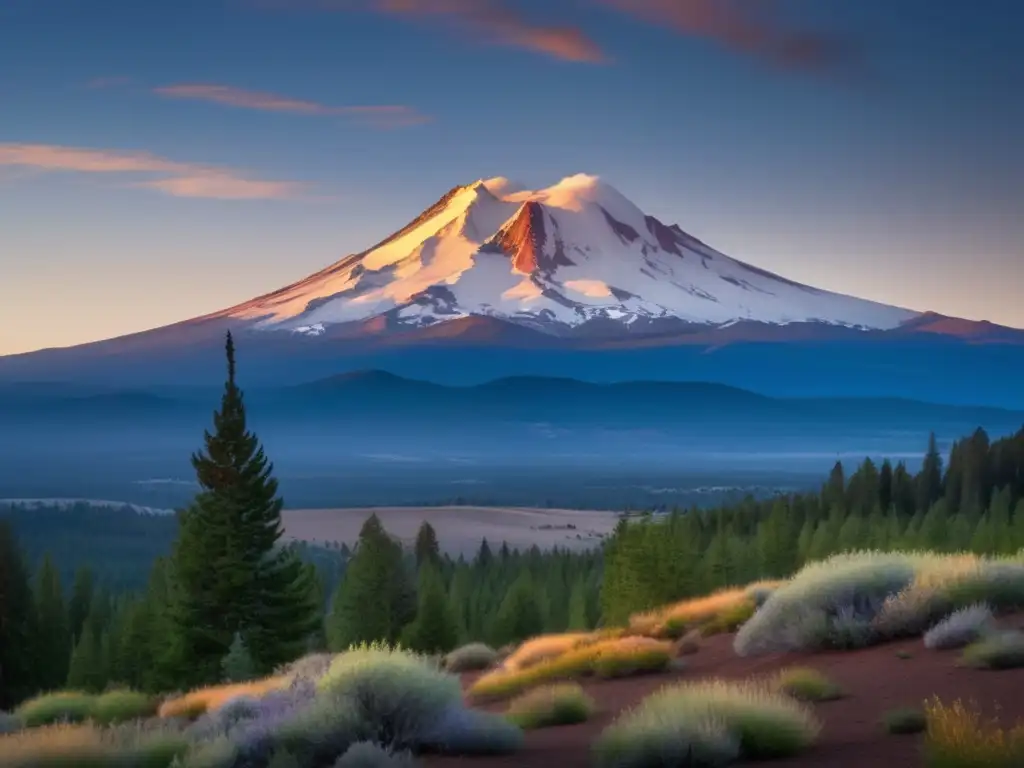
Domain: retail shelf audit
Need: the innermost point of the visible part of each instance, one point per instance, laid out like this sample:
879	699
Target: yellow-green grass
202	700
558	704
57	707
708	723
958	736
121	705
87	746
607	658
116	706
807	684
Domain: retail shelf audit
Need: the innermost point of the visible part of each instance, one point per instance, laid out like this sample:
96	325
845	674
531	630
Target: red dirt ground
875	681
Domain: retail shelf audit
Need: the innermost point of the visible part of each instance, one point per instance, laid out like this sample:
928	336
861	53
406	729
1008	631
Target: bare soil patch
875	681
459	529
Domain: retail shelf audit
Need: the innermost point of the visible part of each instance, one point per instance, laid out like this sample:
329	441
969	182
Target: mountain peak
576	258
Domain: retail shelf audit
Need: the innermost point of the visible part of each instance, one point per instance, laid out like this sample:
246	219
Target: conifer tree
519	616
435	629
17	630
578	613
373	601
929	481
53	642
238	664
229	575
89	666
427	549
81	601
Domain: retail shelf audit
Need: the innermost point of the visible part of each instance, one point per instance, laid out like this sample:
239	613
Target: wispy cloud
751	27
747	26
173	178
385	115
490	21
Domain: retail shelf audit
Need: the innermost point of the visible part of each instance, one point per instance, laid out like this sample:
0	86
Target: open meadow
459	529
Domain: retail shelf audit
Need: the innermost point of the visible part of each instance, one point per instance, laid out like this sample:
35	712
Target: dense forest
223	598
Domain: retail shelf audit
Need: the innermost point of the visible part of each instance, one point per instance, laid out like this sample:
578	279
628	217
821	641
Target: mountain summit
575	259
571	281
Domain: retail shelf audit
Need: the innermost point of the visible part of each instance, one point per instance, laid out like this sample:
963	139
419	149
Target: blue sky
161	160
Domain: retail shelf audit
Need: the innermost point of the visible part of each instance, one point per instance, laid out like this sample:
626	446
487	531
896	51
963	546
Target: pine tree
435	629
229	573
17	623
885	485
579	618
238	664
81	601
519	616
53	641
427	549
929	480
373	601
89	666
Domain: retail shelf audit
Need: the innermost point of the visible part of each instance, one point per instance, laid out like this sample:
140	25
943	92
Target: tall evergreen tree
435	629
17	675
374	601
53	642
81	600
929	481
229	575
427	549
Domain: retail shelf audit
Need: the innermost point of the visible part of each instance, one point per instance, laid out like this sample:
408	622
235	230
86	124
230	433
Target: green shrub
857	599
903	721
640	662
904	655
806	684
708	723
120	706
59	707
561	704
1001	650
960	628
471	658
394	693
826	605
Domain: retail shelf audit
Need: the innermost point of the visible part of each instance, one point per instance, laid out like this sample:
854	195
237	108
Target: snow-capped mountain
570	281
574	259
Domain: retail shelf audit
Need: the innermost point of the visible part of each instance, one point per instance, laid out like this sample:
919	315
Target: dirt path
875	680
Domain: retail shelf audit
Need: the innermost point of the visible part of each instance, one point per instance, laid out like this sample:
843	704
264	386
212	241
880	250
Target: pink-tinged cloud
176	178
223	186
385	115
502	26
747	26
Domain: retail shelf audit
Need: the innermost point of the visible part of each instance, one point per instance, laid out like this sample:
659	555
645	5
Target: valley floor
875	681
459	528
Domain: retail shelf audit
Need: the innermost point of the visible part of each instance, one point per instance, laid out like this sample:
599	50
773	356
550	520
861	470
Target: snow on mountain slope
565	259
